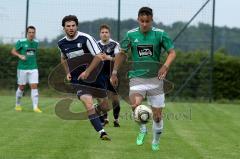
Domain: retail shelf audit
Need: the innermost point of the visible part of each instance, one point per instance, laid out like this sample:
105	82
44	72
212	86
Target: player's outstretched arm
117	63
96	60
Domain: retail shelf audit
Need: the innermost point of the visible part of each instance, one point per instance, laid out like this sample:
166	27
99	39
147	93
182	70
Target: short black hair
145	11
30	27
105	26
69	18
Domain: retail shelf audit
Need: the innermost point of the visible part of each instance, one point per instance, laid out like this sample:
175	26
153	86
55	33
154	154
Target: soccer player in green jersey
27	69
144	44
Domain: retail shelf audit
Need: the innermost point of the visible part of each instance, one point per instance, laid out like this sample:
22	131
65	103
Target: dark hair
145	11
69	18
30	27
105	26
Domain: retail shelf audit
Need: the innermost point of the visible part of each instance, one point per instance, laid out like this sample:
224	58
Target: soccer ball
142	114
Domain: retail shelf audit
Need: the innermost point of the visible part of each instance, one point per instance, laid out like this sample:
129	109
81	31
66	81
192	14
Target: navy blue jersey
75	51
111	48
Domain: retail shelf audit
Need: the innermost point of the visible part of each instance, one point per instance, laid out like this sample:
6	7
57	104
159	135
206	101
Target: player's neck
105	41
72	37
145	31
29	39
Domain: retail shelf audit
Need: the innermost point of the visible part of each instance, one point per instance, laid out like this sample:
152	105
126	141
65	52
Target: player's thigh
115	98
33	77
157	101
21	77
136	99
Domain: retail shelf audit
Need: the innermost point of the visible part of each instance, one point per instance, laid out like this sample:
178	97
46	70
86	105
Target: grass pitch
191	131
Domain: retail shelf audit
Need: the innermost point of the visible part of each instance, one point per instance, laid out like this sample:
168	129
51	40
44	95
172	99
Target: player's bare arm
121	56
96	60
164	69
65	65
15	53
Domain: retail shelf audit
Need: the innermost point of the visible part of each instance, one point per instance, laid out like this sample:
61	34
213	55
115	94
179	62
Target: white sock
19	94
143	128
157	130
34	95
101	131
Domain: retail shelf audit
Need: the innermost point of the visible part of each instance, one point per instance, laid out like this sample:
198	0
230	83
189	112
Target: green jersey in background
29	50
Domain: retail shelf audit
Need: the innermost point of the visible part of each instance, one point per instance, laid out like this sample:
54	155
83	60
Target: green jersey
145	51
28	49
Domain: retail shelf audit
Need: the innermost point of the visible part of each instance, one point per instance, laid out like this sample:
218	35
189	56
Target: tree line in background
195	37
226	72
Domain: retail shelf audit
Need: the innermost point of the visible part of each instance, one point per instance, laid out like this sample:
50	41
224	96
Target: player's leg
136	100
33	82
136	94
115	103
116	109
21	80
87	100
157	103
103	109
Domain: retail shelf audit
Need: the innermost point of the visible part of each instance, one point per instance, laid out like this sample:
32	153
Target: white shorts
27	76
150	87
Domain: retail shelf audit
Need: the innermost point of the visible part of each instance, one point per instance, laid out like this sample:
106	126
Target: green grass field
192	131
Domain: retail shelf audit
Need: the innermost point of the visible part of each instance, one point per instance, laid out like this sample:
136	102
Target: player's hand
114	80
162	72
84	75
106	57
22	57
69	77
101	56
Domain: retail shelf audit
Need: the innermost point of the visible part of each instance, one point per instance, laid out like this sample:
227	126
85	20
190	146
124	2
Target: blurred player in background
78	44
145	43
110	48
27	69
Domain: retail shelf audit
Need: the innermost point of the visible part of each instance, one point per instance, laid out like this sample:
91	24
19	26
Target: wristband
114	72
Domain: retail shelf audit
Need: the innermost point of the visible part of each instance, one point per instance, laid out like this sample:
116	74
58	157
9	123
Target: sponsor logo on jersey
145	50
30	51
108	50
79	45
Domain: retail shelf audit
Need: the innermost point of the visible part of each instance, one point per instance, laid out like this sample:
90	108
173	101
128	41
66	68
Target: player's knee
88	104
157	117
115	103
21	87
105	106
33	86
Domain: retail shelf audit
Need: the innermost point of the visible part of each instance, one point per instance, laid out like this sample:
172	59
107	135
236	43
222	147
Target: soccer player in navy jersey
110	48
75	45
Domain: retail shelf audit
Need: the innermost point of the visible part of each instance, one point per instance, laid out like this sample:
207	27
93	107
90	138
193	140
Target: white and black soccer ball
142	114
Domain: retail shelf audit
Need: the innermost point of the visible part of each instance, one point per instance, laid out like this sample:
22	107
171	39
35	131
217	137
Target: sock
96	123
34	95
116	109
105	116
19	94
157	130
101	118
143	128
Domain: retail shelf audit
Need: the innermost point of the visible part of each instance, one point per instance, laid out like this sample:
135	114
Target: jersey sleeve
117	49
167	42
18	45
93	46
125	43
